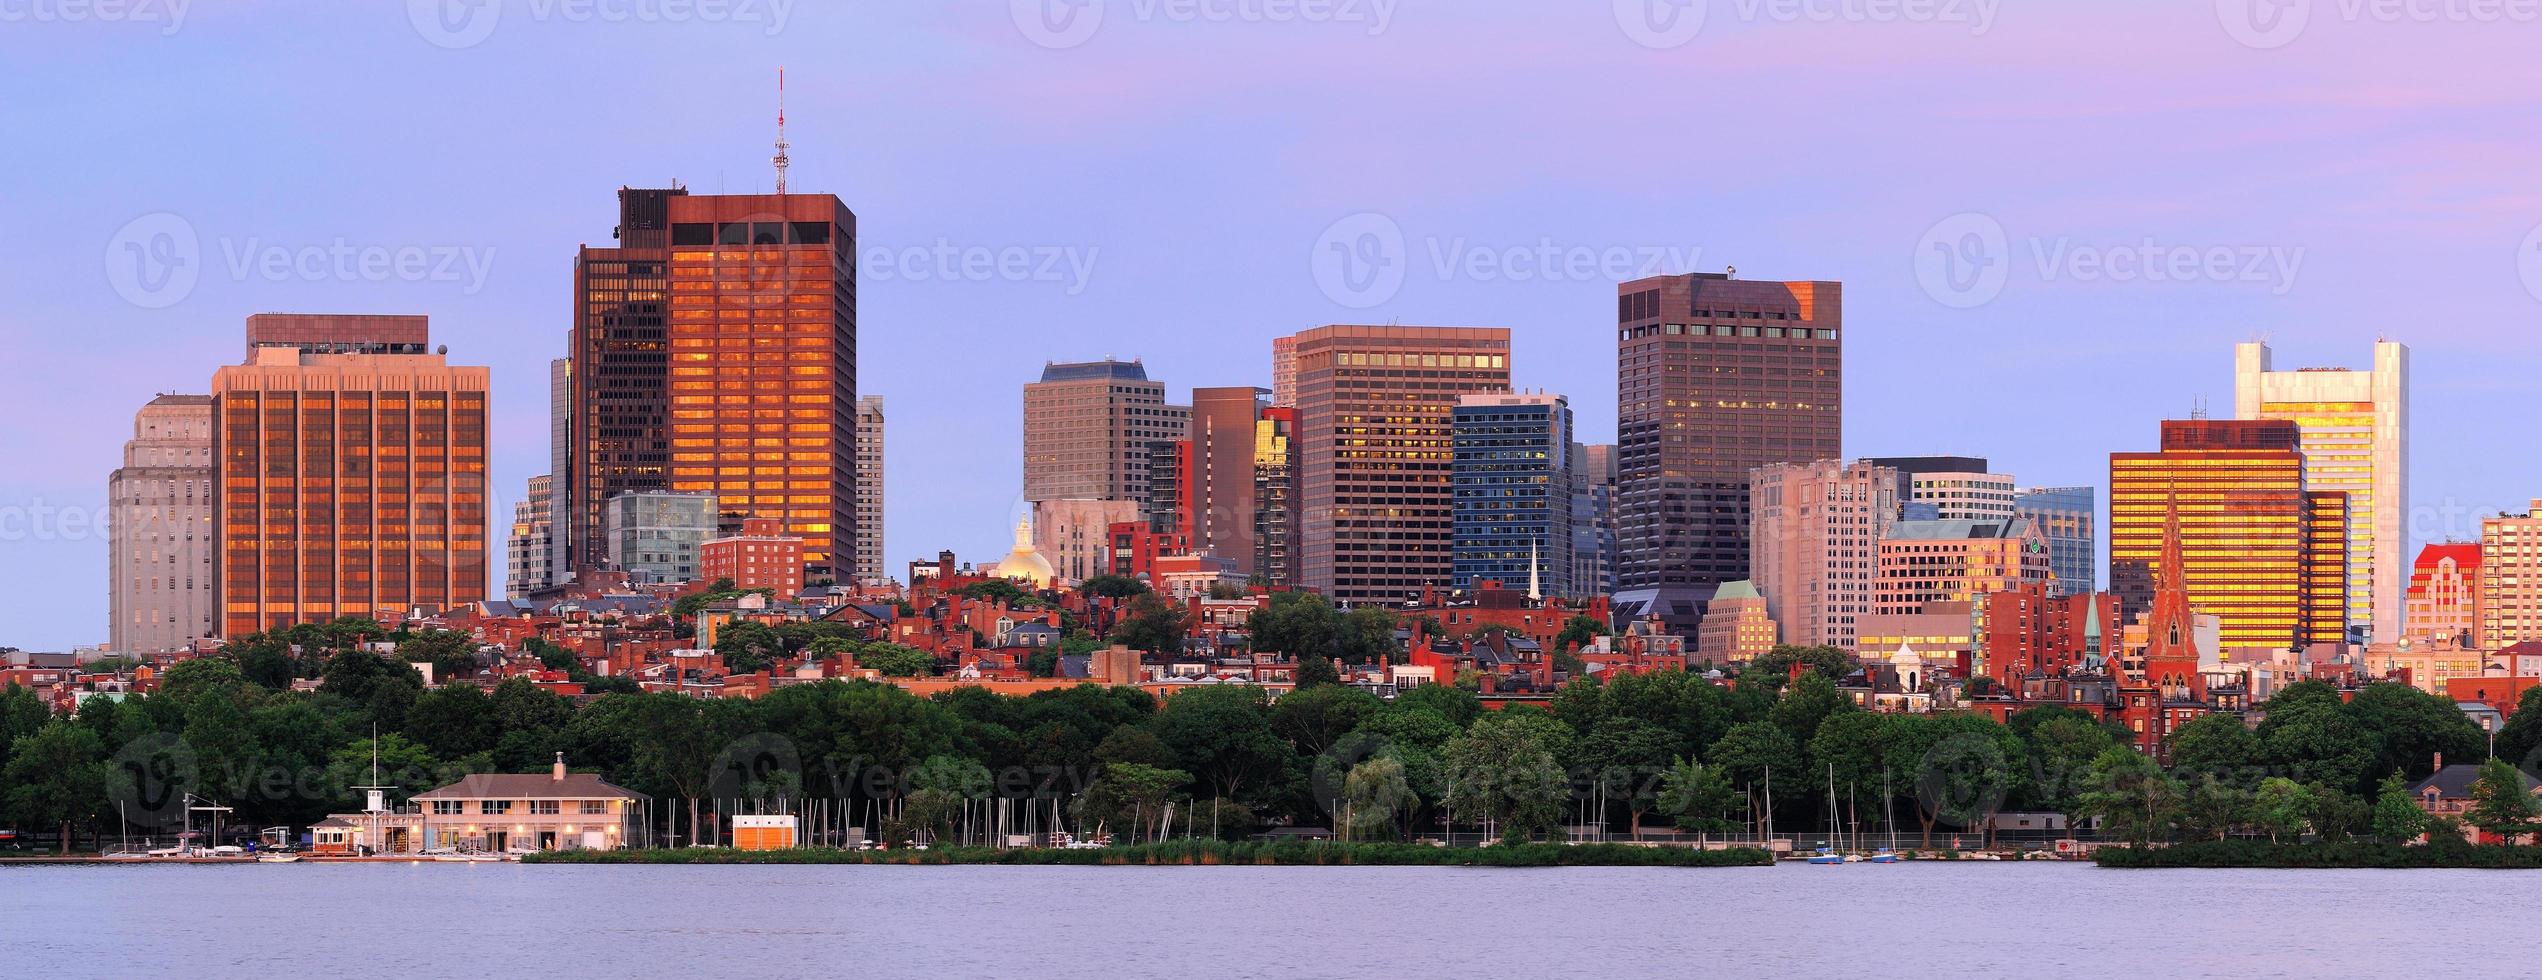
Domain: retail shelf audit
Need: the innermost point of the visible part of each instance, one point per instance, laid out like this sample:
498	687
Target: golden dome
1026	563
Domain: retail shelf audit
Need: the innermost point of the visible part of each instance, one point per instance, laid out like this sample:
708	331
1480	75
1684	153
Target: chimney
2440	762
559	775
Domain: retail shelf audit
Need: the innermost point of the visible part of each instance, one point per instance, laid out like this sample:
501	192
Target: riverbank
1207	853
2345	854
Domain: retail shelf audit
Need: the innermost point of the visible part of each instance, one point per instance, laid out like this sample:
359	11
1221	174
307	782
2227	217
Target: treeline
1636	751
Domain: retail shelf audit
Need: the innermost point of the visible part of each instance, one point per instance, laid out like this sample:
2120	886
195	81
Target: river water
479	922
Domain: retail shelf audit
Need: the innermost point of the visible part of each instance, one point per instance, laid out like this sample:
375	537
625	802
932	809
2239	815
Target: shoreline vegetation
2321	855
1207	852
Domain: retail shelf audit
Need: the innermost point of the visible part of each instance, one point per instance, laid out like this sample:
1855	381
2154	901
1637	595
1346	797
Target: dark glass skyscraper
1511	480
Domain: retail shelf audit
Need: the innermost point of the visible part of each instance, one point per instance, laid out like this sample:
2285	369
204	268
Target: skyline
1232	208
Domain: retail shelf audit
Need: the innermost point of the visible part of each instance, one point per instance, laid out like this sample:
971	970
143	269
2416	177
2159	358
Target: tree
1578	632
1375	797
450	654
1758	753
1774	669
894	660
1112	587
2061	748
1043	662
2521	741
1811	699
1624	758
194	678
995	590
748	648
1128	798
2215	744
356	675
1225	739
1154	624
2414	728
2131	797
1699	798
1368	636
2318	741
453	721
2502	803
1504	770
57	777
1313	718
2282	807
1313	672
2398	819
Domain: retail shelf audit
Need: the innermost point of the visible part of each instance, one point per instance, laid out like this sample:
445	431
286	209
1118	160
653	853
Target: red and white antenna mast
781	161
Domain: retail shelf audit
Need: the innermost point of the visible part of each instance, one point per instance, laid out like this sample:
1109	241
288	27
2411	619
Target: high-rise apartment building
1951	488
655	535
1088	428
1817	545
2262	553
2070	518
1593	519
350	484
1511	482
1375	452
160	524
1956	560
1275	497
560	470
1715	377
2356	431
531	547
1284	372
2444	600
715	352
2511	579
869	488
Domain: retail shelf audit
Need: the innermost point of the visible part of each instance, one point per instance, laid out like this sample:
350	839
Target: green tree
1699	798
1578	632
2521	741
1376	796
1313	718
57	777
1773	670
453	721
1756	754
1504	770
2413	728
2318	741
192	679
2398	818
1152	624
2502	803
2131	797
748	648
995	590
1225	739
450	654
1128	800
1811	699
2217	745
1624	758
2061	749
1112	587
1314	672
894	660
2282	807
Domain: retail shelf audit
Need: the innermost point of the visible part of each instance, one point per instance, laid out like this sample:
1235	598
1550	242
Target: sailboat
1831	854
1889	854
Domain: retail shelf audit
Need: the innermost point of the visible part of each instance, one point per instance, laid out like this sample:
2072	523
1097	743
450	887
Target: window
545	808
447	808
591	807
493	807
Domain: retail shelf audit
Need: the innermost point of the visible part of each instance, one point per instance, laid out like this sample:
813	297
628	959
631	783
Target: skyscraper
1511	482
1715	377
2356	431
1593	518
1088	428
1284	372
1375	451
2511	579
1951	488
1818	530
1218	484
715	352
560	469
2070	517
530	548
869	487
160	523
2261	552
1275	497
352	474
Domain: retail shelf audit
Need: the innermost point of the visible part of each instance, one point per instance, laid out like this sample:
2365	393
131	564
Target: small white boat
277	857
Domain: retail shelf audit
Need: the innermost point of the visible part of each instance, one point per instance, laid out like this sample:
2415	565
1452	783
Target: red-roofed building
2444	599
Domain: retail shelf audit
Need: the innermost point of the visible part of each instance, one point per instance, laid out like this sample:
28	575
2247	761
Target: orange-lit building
352	474
2031	631
2444	598
715	351
762	556
1956	561
2263	554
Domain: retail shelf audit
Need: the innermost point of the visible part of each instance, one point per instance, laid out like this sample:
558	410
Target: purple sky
1193	166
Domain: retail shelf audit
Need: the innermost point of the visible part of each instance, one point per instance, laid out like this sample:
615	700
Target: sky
2052	219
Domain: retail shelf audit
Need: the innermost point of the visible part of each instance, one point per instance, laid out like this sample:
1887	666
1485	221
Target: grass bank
1207	853
2345	854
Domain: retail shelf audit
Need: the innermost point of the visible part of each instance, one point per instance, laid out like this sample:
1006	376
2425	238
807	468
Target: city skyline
94	344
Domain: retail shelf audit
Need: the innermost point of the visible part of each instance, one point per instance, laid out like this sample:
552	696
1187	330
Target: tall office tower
352	475
1593	518
1374	452
560	469
654	535
869	488
2511	579
715	352
1714	378
1284	372
1511	482
161	523
1275	497
1951	488
531	547
1218	488
2444	600
1087	429
2356	440
2070	518
1161	504
1817	532
1072	534
2261	552
1956	560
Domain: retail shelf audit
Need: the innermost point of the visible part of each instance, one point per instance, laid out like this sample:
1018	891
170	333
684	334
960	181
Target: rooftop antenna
781	161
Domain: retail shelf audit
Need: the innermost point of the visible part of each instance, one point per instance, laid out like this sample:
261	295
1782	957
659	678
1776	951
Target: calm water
483	921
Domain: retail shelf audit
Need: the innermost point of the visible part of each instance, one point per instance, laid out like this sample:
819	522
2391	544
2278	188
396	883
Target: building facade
1715	377
1952	488
2445	597
1511	520
763	556
1962	561
657	535
160	565
350	484
1738	628
1071	535
2070	519
1219	493
2264	554
1376	452
1088	428
2356	430
1275	497
1593	519
1817	534
529	551
2511	579
869	488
